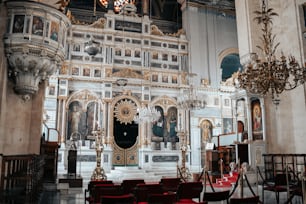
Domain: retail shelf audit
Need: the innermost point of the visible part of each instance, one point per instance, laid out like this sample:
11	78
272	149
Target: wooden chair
118	199
128	185
189	190
216	196
170	184
143	191
247	200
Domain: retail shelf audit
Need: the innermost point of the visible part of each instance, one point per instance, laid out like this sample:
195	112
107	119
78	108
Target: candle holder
184	171
98	173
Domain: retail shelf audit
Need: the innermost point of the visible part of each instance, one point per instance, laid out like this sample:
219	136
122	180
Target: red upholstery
105	189
142	191
170	184
216	196
128	186
119	199
189	201
248	200
90	187
189	190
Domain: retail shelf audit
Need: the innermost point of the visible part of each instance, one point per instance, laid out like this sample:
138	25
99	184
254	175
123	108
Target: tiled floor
51	195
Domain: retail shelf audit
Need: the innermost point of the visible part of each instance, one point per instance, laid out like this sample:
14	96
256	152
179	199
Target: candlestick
98	173
94	117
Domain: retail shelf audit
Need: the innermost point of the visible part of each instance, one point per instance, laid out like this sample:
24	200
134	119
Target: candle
98	115
94	117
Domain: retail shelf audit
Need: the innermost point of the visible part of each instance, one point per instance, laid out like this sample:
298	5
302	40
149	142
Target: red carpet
226	182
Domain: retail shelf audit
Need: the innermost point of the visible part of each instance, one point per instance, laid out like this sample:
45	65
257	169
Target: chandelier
147	114
270	75
190	99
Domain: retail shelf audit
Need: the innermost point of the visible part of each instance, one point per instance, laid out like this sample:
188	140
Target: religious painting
227	125
51	90
256	120
172	127
158	126
137	54
93	116
97	73
155	55
37	26
18	24
154	77
118	52
174	58
75	71
174	79
206	130
54	31
127	52
165	79
74	121
86	72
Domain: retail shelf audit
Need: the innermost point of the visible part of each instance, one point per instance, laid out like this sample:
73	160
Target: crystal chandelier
270	75
147	114
190	100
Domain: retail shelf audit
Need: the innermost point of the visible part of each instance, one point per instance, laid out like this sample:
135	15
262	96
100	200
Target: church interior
152	101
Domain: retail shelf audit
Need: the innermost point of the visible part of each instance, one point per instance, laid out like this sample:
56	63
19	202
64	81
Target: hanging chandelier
190	99
270	75
147	114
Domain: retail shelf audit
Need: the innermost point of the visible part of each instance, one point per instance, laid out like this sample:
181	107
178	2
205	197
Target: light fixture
270	75
147	114
189	99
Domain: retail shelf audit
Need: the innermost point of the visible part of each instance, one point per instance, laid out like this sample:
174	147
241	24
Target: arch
229	62
112	111
85	114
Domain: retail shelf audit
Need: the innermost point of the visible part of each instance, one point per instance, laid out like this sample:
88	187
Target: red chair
143	191
106	190
128	186
170	184
88	193
119	199
247	200
189	190
216	196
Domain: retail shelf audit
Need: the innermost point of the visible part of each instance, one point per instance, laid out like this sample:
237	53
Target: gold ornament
125	111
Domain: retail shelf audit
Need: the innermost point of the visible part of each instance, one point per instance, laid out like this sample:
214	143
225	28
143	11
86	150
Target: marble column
249	118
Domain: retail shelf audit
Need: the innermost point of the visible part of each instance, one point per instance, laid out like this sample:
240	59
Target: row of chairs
167	191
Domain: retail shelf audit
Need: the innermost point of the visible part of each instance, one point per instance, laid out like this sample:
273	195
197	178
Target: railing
21	178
